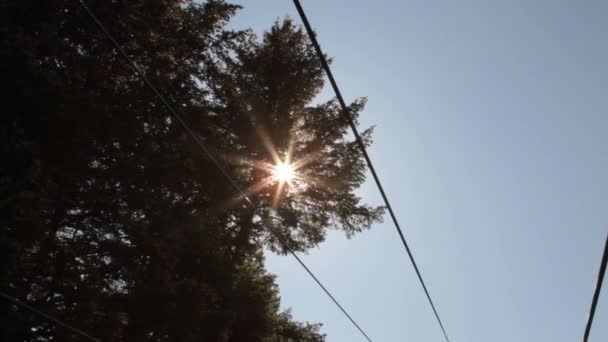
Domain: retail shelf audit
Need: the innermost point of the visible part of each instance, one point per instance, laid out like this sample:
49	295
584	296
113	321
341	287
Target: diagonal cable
596	292
30	308
370	165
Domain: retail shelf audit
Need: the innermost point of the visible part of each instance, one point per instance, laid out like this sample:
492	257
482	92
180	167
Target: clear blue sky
492	141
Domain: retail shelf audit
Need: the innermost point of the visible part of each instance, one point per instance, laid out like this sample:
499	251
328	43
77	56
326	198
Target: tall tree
113	219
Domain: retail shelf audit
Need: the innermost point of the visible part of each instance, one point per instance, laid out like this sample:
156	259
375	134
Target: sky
491	141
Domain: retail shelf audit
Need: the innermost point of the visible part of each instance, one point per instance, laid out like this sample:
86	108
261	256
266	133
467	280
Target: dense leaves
112	218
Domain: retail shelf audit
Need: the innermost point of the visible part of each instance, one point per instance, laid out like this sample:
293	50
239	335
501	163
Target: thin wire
596	293
216	162
312	275
47	316
370	165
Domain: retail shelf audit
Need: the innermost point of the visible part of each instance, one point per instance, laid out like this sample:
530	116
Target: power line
216	162
47	316
596	292
370	165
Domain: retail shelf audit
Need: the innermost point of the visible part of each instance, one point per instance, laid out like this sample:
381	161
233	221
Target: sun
283	172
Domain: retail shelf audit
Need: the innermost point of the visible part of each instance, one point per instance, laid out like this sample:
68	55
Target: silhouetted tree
113	220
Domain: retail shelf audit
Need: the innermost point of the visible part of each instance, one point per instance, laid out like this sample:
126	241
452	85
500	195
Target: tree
111	217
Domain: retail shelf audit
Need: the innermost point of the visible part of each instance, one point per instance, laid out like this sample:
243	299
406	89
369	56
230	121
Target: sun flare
283	172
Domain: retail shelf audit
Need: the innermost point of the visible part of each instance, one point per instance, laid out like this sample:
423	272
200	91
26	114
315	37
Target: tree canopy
111	216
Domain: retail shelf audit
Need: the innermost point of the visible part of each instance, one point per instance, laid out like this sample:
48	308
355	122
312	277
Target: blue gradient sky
491	138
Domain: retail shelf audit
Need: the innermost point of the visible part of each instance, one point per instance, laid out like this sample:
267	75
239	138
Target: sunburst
282	174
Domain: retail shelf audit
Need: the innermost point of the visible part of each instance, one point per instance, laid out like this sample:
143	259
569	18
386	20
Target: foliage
113	219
